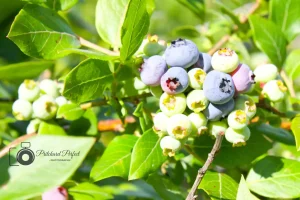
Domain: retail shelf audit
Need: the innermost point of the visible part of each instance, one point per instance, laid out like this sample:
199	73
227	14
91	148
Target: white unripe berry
29	90
45	107
22	109
61	100
33	126
237	137
49	87
160	121
169	145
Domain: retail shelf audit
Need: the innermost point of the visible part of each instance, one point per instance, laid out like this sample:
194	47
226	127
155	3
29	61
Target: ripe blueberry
215	112
175	80
242	78
274	90
179	126
225	60
22	109
172	104
152	70
218	87
204	62
169	145
266	72
196	78
237	137
29	90
181	53
196	101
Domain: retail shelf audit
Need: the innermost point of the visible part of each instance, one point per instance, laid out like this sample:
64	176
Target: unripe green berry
160	121
138	84
216	128
265	73
29	90
199	122
61	100
196	78
33	126
45	107
196	101
22	109
169	145
247	104
238	119
225	60
156	91
237	137
179	126
274	90
49	87
172	104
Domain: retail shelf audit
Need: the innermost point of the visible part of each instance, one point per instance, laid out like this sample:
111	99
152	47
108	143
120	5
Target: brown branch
201	172
217	46
262	104
252	10
289	83
14	143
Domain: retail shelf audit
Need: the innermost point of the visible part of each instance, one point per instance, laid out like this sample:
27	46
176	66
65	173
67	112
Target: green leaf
146	156
91	54
116	159
287	16
269	39
292	64
277	134
243	191
88	191
196	6
87	81
43	174
50	128
256	146
219	186
61	4
275	177
85	125
165	188
296	130
23	70
110	16
135	27
41	33
70	111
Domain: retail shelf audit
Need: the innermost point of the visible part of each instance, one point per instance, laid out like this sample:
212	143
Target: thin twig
14	143
263	105
252	10
6	100
217	46
91	45
288	82
201	172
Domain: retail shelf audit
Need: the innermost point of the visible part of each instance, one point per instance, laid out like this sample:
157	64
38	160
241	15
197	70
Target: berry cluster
212	88
38	101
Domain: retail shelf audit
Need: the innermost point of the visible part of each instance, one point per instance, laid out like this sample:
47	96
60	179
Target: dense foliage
72	84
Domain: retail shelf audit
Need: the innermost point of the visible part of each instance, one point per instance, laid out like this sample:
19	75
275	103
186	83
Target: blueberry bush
149	99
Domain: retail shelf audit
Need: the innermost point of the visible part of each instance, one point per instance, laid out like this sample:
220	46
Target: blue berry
215	112
218	87
181	53
152	70
175	80
243	78
204	62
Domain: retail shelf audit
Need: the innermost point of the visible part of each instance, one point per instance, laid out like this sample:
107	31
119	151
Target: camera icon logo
25	156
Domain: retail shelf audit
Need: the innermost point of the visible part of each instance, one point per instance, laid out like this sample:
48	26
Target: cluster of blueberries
38	101
210	87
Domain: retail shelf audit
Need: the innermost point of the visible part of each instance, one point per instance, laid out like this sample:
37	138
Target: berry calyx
169	145
172	104
238	119
237	137
196	101
196	78
225	60
179	126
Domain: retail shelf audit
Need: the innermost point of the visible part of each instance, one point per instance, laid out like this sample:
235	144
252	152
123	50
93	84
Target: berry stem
91	45
201	172
288	82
